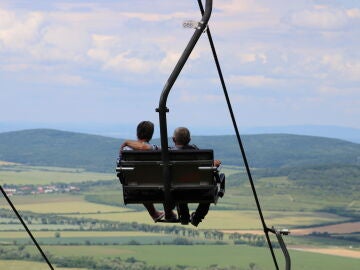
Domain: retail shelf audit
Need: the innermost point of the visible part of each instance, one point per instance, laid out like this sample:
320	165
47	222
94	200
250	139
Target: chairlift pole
162	109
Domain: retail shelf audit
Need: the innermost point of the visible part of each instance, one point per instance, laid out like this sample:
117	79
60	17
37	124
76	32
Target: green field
29	175
284	204
202	256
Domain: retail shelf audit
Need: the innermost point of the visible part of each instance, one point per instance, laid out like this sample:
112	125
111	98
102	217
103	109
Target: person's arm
217	163
136	145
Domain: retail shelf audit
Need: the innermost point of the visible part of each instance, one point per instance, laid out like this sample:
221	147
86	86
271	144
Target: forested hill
97	153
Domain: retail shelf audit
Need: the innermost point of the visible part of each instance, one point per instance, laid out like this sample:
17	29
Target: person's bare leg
153	212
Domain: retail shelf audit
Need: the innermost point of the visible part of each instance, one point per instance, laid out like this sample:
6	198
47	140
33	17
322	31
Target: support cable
26	228
265	228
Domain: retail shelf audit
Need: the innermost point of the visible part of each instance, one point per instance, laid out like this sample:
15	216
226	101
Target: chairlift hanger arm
185	55
162	109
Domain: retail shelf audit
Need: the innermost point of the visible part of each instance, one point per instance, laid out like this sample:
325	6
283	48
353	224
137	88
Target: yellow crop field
6	163
229	170
37	176
21	265
229	220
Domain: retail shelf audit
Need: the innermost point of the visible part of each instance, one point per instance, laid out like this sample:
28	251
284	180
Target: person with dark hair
181	139
144	132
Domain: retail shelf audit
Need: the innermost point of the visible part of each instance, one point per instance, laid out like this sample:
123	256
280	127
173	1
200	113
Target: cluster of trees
215	235
354	238
248	239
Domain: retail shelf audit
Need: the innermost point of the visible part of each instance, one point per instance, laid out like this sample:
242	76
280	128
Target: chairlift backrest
193	177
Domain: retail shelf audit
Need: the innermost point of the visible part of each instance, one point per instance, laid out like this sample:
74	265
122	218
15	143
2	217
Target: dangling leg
183	210
199	214
155	214
169	213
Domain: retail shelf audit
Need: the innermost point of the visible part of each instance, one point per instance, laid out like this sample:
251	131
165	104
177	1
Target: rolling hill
46	147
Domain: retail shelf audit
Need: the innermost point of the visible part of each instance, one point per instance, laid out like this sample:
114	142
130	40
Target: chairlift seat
194	179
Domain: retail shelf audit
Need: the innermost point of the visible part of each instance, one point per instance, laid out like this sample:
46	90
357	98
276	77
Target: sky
104	63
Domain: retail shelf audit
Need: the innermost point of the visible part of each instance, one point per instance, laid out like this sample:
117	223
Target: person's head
145	130
181	136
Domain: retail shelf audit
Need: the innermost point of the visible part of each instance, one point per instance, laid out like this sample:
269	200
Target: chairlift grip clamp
166	109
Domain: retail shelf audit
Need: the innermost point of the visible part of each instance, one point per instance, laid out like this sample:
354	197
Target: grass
241	256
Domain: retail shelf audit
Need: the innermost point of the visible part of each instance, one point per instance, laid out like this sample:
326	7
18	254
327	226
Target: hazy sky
284	62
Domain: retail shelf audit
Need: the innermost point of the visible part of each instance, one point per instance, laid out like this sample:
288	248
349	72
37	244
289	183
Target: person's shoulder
193	146
186	147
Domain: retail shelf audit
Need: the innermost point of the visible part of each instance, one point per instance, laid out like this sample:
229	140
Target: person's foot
171	216
184	215
184	221
194	220
158	216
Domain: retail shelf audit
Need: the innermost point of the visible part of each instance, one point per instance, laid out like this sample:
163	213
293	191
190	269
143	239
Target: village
12	190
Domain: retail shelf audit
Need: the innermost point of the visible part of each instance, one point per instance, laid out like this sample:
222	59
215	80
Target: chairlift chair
194	179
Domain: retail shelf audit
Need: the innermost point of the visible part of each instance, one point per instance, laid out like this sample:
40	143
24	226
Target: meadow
223	256
236	212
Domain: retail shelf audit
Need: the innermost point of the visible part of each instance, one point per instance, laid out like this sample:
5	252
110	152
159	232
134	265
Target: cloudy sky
105	62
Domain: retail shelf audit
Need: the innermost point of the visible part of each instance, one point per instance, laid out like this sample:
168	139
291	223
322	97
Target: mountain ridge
117	130
50	147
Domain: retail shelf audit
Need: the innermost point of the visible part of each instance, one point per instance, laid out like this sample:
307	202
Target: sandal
158	217
172	217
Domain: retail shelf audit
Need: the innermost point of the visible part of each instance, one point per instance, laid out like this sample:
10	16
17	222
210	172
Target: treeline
351	237
249	239
91	263
96	225
187	235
